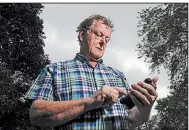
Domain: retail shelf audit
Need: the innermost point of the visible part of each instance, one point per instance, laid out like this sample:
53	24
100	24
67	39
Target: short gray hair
87	23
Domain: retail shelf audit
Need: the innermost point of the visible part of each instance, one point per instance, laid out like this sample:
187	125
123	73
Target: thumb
155	79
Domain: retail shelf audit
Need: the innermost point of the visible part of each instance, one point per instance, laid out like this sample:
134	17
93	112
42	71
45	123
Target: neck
93	61
87	55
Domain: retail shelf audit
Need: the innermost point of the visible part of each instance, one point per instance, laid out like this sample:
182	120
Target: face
96	40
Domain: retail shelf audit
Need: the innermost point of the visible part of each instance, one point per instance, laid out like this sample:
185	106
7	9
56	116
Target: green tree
21	59
21	38
164	32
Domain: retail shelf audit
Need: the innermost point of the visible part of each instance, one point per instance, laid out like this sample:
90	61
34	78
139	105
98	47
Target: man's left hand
145	92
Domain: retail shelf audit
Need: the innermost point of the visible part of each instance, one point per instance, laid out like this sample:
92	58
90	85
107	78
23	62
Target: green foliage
21	59
172	113
165	36
164	32
21	38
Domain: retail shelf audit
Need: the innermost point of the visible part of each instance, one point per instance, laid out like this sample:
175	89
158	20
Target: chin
97	55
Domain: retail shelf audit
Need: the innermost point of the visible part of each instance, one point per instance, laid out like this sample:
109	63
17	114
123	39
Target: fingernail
155	79
130	89
139	83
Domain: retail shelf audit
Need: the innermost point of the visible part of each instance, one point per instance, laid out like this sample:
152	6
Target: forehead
99	25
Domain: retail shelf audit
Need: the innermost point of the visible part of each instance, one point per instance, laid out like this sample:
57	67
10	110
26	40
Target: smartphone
130	100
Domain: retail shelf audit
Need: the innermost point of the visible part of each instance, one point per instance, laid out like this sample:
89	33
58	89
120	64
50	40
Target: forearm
55	113
139	115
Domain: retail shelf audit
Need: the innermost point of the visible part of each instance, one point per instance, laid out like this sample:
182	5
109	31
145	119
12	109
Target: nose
103	40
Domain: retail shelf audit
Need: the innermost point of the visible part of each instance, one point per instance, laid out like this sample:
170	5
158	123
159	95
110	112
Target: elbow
34	117
138	117
39	121
37	117
33	114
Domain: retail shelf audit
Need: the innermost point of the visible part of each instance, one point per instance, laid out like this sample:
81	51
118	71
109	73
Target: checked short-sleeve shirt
77	79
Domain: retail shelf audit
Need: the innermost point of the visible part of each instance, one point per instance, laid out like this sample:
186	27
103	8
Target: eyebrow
104	35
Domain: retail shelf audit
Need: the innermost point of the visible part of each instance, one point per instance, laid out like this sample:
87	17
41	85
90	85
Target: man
83	93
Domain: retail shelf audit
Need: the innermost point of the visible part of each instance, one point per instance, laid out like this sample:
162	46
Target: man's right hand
106	96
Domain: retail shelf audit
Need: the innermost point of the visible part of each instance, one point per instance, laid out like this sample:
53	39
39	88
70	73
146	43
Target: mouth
99	48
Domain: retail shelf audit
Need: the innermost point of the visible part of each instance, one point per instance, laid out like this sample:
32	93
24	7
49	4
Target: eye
107	39
98	34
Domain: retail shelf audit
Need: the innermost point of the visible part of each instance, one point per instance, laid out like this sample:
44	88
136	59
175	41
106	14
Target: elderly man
84	93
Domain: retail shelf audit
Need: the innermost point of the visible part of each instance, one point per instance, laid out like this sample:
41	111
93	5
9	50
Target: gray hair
87	23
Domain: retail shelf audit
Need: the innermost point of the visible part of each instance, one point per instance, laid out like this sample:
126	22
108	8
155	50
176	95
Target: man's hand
107	95
112	94
145	92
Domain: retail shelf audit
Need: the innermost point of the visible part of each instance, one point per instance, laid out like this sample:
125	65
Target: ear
81	35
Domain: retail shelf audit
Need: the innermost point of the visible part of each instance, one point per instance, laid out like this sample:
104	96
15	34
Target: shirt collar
83	58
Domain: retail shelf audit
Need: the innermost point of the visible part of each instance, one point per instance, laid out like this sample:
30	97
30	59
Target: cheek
91	43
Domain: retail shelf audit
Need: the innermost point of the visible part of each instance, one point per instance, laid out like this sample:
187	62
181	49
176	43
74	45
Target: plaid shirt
77	79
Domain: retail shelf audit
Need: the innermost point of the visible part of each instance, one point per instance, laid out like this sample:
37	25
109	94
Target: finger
139	96
107	90
100	96
155	79
114	98
103	95
109	101
148	87
114	95
143	92
120	90
113	91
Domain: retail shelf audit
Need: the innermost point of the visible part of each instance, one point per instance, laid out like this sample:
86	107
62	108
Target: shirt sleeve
42	88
